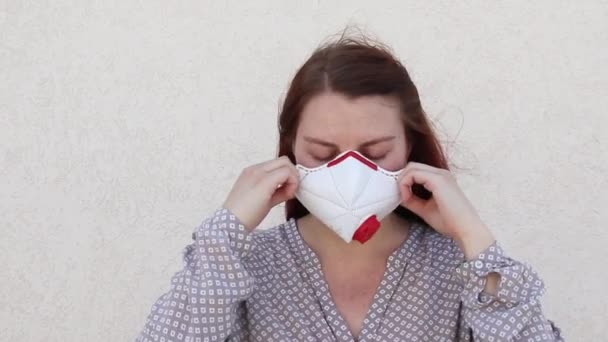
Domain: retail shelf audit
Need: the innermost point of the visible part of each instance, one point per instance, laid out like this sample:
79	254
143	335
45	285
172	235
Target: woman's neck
327	244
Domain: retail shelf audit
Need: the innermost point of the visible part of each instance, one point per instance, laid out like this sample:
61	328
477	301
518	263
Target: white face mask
350	194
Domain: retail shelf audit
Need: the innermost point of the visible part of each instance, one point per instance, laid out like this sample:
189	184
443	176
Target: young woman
350	263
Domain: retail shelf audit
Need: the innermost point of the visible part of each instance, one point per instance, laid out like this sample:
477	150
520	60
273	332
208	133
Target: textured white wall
123	124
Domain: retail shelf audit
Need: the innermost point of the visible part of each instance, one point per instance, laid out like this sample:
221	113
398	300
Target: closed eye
323	160
378	158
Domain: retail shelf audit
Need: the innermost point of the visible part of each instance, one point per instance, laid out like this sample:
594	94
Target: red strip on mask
356	156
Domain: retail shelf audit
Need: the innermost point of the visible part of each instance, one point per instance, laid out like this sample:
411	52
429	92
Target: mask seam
363	189
340	193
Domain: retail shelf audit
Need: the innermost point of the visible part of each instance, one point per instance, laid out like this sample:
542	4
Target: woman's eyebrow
365	144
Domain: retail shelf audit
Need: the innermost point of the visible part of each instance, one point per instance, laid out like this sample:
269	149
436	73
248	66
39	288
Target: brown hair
356	66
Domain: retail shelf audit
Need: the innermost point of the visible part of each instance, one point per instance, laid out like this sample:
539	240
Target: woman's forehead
331	113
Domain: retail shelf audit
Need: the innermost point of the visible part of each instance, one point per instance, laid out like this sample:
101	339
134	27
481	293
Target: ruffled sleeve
514	313
205	297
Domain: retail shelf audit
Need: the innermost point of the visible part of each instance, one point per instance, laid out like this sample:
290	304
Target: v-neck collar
395	269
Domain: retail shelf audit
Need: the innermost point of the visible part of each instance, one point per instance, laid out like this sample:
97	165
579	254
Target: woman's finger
412	202
276	163
257	172
283	194
426	167
281	183
428	179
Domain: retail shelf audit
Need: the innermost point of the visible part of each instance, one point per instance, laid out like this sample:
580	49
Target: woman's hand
259	188
448	211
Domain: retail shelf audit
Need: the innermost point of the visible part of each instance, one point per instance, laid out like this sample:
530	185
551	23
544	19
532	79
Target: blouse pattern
267	285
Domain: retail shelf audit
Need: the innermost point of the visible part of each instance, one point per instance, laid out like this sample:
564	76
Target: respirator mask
350	194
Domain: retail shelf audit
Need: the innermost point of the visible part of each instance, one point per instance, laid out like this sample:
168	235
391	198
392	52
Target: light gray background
123	124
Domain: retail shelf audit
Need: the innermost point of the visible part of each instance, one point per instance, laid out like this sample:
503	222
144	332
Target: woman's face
330	123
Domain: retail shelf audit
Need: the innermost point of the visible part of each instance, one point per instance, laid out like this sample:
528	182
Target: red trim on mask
356	156
367	229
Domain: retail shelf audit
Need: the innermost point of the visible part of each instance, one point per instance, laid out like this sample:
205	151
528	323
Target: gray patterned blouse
267	285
